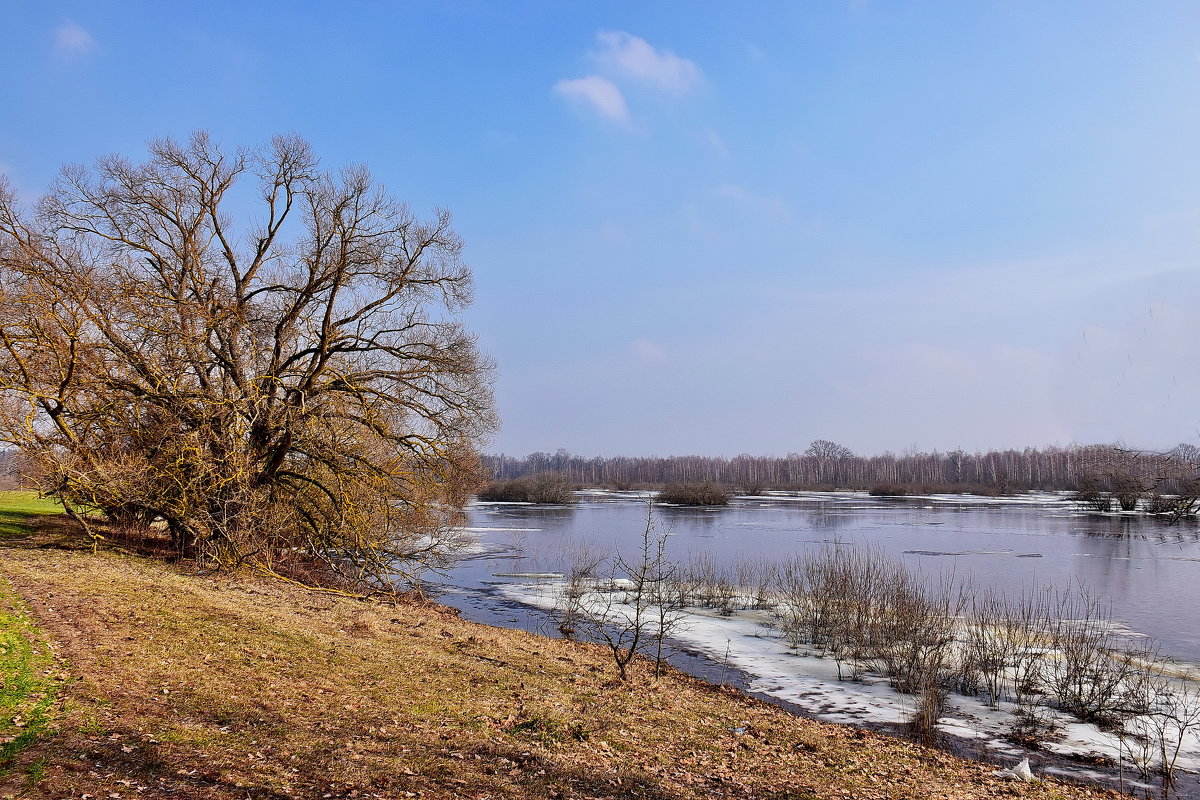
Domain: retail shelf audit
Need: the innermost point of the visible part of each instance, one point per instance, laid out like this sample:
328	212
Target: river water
1147	568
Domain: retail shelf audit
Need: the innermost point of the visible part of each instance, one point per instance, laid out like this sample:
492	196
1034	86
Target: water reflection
698	521
827	520
1163	529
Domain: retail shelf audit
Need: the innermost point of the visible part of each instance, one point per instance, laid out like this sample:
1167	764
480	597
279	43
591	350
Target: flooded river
1145	568
1148	569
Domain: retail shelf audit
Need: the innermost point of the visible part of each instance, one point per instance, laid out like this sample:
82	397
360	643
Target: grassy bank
202	686
28	685
29	677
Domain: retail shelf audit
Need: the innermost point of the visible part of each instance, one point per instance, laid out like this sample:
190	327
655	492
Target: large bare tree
295	383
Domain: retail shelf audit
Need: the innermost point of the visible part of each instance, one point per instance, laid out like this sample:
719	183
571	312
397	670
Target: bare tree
642	602
296	384
827	450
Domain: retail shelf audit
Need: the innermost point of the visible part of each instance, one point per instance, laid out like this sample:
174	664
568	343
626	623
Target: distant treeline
826	465
9	479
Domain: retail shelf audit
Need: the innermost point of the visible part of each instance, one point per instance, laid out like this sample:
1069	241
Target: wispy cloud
648	351
770	207
635	58
71	40
715	142
629	61
599	94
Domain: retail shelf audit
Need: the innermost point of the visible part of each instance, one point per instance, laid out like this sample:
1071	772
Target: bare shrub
695	494
1027	623
756	580
710	584
626	613
1135	734
1127	489
915	638
838	606
931	704
698	579
1090	491
1164	710
1188	496
1089	671
668	600
1160	504
794	609
583	563
1175	714
1001	644
511	491
546	488
846	588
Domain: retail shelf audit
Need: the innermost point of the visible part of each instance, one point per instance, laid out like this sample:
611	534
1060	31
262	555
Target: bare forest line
826	465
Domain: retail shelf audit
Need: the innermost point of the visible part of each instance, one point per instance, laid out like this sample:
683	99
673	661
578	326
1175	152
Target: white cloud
601	94
635	58
72	41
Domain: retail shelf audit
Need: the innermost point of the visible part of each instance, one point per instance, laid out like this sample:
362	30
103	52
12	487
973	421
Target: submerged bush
1160	504
888	490
546	488
695	494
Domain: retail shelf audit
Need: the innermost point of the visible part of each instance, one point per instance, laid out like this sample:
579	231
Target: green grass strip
28	686
19	508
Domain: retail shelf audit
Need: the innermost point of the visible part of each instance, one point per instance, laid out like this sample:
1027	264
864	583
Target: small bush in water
545	488
694	494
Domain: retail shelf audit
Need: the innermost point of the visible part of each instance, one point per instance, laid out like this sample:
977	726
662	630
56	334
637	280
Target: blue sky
717	228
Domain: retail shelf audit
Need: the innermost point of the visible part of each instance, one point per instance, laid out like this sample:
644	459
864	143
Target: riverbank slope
159	682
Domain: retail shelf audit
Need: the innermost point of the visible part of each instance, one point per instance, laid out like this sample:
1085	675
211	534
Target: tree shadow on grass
35	532
56	531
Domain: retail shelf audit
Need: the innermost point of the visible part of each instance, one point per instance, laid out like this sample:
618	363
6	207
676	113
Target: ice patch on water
501	530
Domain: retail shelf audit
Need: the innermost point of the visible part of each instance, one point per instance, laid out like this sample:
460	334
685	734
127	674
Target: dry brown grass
201	686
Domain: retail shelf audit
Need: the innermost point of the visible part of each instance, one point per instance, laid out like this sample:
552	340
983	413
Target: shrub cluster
694	494
545	488
1103	492
1047	652
888	490
870	613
